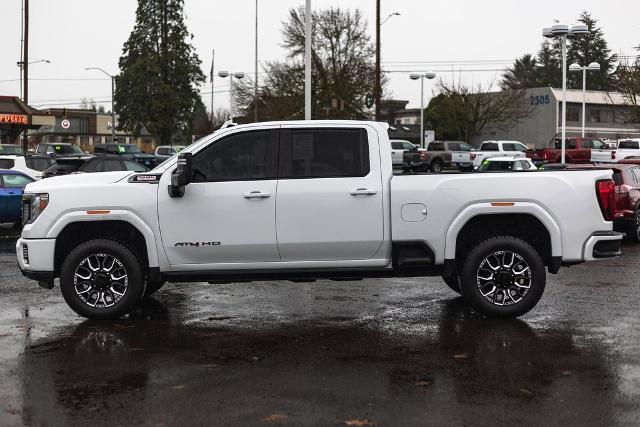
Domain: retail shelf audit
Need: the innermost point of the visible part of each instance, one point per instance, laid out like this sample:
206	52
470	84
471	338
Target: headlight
33	205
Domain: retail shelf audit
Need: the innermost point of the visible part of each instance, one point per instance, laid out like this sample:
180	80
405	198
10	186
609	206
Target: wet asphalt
377	352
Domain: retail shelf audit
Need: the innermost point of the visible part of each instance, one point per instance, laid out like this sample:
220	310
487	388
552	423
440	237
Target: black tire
453	282
436	166
634	232
484	272
95	283
153	287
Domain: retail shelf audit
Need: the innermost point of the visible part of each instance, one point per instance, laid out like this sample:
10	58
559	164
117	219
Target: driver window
238	157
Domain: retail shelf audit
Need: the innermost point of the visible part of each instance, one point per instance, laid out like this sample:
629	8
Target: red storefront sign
14	119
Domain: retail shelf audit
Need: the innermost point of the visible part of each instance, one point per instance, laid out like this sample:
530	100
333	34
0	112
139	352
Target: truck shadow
465	370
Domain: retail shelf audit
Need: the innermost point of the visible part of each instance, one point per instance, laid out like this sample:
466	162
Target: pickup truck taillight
423	156
613	155
472	156
606	192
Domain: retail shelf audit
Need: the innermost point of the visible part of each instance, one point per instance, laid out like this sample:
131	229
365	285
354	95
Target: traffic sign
65	123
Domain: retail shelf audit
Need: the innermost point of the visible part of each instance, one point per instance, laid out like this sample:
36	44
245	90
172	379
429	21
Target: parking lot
373	352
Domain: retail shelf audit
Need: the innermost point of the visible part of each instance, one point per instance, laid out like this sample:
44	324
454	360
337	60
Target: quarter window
324	153
238	157
15	181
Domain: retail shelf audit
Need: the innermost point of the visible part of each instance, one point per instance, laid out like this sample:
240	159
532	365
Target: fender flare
111	215
487	208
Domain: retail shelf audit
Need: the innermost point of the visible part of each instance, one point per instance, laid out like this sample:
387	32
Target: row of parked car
17	169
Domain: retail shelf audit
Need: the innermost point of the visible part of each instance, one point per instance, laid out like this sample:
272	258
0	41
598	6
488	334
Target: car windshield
497	166
11	149
67	149
128	149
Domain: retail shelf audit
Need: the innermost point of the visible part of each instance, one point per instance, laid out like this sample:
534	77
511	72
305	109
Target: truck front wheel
503	277
101	279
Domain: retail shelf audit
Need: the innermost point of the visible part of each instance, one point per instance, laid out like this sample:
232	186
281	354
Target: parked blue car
12	185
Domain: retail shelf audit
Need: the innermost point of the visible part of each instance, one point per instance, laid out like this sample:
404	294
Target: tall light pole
415	76
21	66
307	61
378	84
238	75
211	75
594	66
563	31
255	83
113	110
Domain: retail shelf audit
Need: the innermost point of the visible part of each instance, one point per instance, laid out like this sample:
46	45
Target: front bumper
35	257
601	245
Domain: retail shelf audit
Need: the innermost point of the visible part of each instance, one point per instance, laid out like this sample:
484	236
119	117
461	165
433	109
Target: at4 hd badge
197	244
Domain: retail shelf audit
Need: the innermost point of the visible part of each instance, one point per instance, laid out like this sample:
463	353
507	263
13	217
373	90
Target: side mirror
182	175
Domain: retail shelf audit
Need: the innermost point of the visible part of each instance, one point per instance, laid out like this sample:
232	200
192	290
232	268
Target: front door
329	204
227	214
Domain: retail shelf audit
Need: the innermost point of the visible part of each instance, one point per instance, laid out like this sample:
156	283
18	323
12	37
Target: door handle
257	195
363	192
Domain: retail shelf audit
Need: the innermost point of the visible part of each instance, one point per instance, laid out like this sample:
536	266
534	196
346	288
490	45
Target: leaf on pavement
274	418
358	423
461	356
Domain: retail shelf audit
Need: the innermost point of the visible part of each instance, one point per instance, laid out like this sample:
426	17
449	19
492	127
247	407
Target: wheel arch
524	219
75	228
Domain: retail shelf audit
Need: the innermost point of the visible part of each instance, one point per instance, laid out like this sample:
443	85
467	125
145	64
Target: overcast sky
75	34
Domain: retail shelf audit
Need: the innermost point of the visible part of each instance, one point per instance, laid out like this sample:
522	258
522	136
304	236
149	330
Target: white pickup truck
309	200
627	148
490	149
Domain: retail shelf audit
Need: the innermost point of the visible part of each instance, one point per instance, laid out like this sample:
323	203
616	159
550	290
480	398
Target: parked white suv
31	166
308	200
498	149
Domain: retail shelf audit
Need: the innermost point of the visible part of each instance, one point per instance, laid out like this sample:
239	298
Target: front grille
25	253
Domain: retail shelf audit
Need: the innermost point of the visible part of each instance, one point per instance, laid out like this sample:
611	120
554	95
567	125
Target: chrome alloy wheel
503	278
100	280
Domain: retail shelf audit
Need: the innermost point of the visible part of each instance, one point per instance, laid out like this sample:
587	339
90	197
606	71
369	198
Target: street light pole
594	66
237	75
415	76
113	110
378	84
307	61
564	32
255	83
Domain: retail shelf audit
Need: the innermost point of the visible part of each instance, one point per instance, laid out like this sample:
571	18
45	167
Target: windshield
128	149
11	149
498	166
67	149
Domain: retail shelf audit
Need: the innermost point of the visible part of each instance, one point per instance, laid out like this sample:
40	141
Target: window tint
7	163
507	146
15	181
324	153
570	144
454	146
163	151
597	144
110	165
38	163
408	146
41	149
436	146
397	145
92	166
241	156
489	146
133	166
465	147
629	143
497	166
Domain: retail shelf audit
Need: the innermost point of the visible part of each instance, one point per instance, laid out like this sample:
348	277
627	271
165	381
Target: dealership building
607	116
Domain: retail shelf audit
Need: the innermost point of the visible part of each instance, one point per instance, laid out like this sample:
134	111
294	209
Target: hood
76	180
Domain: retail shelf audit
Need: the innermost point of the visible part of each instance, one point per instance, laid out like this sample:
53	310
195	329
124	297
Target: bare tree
627	82
468	109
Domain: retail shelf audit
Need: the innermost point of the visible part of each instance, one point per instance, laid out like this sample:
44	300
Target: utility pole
307	62
255	83
378	86
25	69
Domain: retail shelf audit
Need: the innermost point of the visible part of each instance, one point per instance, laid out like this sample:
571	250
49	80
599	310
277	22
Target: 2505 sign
539	100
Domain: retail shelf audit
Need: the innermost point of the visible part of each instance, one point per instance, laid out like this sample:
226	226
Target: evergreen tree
549	71
159	72
591	47
523	74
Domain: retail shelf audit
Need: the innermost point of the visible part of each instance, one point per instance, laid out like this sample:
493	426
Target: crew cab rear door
329	204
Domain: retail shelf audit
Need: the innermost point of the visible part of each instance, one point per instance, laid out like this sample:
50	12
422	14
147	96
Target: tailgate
602	156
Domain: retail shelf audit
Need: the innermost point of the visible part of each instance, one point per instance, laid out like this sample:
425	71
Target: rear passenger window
241	156
629	144
397	145
111	165
324	153
489	146
95	166
436	146
7	163
454	146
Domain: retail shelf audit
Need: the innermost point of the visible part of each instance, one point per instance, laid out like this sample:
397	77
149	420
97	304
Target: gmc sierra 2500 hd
307	200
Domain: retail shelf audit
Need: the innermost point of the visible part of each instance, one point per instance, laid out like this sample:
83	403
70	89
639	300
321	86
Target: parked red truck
577	150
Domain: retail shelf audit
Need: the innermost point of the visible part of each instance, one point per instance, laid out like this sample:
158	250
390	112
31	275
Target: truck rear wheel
101	279
503	277
436	166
